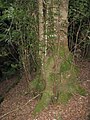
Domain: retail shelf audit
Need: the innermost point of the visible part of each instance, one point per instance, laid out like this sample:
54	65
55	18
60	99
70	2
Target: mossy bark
59	71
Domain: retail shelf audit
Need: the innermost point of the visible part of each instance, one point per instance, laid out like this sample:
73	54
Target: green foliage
79	9
18	22
26	19
8	62
79	27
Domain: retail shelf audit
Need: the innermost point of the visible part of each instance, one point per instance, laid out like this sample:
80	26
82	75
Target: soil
18	105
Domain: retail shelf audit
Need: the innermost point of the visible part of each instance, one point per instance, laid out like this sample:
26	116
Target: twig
19	107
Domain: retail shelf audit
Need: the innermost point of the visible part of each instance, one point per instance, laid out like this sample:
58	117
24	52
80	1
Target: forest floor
18	105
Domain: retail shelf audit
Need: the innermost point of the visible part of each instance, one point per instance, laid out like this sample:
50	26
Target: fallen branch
19	108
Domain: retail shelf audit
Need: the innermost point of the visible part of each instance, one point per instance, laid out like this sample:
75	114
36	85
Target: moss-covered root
48	92
44	102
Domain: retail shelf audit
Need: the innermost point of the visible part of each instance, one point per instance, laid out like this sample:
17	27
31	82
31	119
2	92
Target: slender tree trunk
41	37
63	22
24	56
26	64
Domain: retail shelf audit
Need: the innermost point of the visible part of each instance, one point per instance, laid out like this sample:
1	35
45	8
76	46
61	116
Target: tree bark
58	69
41	37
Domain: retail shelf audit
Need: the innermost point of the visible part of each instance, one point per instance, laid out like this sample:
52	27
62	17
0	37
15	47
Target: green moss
65	66
64	97
37	85
62	53
80	90
44	102
48	91
58	82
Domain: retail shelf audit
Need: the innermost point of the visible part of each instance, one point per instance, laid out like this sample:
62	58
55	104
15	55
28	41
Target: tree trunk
59	72
41	37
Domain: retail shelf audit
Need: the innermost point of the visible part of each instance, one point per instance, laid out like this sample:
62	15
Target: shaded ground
76	109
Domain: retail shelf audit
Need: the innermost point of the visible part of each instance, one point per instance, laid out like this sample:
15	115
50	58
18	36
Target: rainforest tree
58	72
40	28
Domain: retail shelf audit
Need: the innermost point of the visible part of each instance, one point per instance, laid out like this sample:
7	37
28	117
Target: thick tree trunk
58	69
